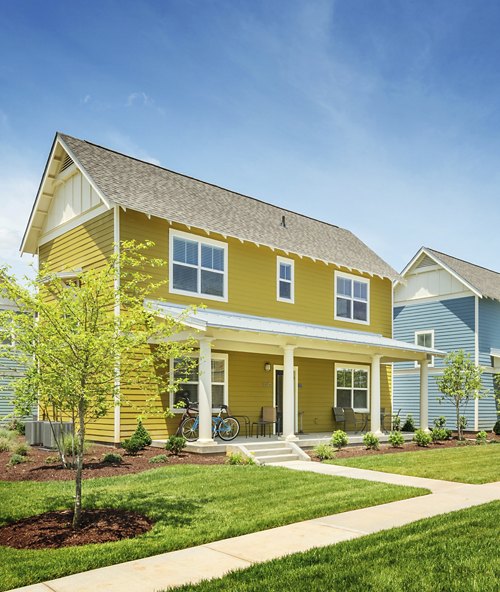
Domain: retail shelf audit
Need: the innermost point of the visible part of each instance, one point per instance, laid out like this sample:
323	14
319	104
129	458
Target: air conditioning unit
51	432
34	432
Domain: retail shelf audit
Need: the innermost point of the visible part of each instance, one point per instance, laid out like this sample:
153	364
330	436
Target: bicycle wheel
228	428
190	429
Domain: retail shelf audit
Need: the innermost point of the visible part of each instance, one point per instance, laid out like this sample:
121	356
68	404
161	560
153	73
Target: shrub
324	451
462	422
396	423
339	439
440	422
158	459
175	444
422	438
396	439
69	444
17	459
142	433
21	449
496	427
439	434
113	458
6	444
371	441
18	426
50	460
409	424
481	437
132	445
236	458
9	434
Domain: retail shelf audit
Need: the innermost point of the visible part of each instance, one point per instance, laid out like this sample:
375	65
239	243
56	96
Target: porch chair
268	418
339	416
351	419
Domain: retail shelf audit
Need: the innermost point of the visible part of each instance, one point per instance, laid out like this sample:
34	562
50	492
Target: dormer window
352	298
198	266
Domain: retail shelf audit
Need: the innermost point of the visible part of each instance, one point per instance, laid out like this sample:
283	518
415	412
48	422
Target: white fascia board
438	261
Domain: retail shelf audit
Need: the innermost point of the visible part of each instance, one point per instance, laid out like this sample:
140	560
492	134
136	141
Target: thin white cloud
125	144
143	100
86	99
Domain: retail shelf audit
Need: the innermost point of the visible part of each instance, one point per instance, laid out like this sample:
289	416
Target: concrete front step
270	452
268	460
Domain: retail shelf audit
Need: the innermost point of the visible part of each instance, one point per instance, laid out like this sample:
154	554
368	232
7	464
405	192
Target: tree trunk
459	429
77	515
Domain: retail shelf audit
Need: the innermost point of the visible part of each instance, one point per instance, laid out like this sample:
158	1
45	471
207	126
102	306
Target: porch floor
304	441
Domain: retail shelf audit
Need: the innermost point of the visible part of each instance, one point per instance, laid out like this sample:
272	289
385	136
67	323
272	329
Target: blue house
447	304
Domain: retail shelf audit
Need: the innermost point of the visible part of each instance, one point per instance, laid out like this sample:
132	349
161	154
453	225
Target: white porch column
288	420
375	396
424	395
205	436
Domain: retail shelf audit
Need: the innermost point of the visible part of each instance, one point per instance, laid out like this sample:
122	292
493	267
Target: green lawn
455	552
465	464
190	504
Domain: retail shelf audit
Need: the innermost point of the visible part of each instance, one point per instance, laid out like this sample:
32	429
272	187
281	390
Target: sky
380	116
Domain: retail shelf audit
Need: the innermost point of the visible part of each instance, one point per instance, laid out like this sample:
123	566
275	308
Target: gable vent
425	262
67	162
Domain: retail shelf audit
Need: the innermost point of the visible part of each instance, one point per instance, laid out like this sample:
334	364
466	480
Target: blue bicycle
227	428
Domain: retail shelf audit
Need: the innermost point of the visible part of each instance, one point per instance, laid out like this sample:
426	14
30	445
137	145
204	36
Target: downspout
116	241
476	358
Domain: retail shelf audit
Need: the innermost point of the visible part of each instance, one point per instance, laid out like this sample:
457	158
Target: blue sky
379	116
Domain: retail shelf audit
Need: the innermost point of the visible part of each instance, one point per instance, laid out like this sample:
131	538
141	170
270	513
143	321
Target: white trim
428	299
117	383
425	332
296	393
73	223
348	366
443	265
200	240
285	261
476	358
353	278
214	356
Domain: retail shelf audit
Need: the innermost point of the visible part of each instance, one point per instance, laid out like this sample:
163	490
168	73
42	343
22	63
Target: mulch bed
360	450
36	469
53	529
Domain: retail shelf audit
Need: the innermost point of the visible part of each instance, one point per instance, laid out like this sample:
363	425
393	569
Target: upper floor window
425	339
198	266
285	279
352	298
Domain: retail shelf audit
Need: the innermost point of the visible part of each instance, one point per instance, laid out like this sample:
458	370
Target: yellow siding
88	245
252	281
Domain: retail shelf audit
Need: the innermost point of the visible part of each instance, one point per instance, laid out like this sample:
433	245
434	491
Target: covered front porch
301	370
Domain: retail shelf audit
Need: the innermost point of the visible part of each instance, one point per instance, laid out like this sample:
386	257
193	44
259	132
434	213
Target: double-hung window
351	387
425	339
198	266
285	279
352	298
189	386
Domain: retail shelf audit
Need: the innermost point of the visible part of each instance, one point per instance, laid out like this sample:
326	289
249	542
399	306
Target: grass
465	464
190	505
455	552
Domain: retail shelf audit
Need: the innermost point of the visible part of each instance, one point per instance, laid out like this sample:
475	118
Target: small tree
460	382
84	339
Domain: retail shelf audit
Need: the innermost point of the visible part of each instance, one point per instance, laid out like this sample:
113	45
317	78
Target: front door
278	395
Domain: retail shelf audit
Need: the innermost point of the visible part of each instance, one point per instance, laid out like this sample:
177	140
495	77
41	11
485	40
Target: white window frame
215	356
355	278
347	366
425	332
201	241
291	262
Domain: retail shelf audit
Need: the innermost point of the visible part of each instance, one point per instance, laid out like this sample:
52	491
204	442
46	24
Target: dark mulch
36	469
53	529
360	450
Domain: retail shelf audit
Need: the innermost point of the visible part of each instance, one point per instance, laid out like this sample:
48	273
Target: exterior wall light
267	366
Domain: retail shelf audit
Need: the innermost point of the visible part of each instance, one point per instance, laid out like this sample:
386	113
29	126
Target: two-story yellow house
298	312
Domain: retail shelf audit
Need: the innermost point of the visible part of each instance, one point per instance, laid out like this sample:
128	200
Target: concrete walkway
213	560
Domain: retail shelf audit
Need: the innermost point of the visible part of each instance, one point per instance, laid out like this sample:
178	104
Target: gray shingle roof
485	281
160	192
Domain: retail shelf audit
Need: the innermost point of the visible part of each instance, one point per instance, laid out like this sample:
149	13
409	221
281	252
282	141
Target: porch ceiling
237	332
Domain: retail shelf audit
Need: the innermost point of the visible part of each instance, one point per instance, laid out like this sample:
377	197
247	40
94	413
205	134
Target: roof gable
155	191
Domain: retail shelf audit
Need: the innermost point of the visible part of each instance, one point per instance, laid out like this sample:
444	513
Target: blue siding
9	372
488	409
489	329
453	324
